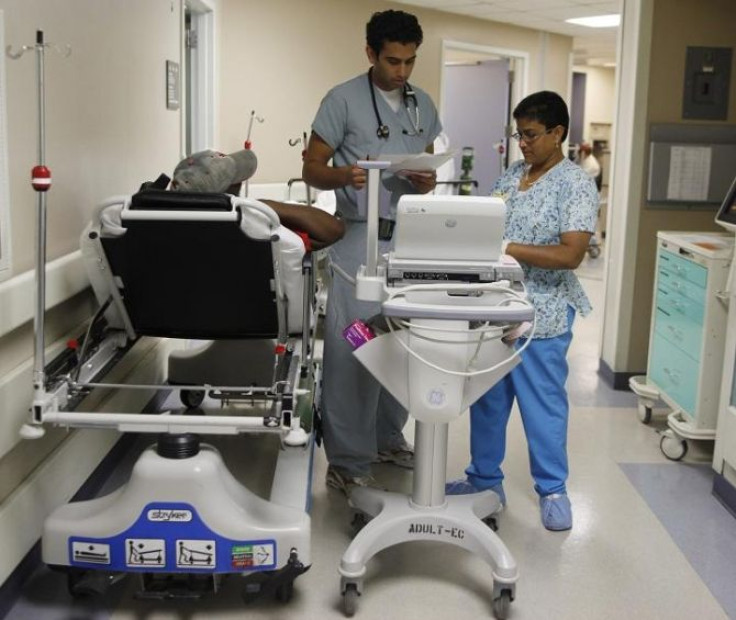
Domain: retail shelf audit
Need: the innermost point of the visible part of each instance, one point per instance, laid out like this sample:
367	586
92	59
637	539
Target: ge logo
450	223
436	397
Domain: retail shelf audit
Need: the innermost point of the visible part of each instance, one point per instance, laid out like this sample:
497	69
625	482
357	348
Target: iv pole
41	182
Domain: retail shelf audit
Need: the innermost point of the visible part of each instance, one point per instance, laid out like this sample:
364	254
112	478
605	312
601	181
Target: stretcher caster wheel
502	605
191	398
89	583
673	447
350	600
645	413
285	591
73	579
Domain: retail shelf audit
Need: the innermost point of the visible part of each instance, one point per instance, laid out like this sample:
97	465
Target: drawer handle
673	375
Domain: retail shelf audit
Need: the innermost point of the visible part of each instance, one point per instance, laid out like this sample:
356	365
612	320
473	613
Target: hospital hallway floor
649	540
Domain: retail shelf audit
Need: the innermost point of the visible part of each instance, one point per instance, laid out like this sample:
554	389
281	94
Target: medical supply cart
687	336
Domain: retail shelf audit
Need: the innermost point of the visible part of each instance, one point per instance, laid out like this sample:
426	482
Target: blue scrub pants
538	384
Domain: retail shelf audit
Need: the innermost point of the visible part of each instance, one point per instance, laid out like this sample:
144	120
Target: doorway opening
479	89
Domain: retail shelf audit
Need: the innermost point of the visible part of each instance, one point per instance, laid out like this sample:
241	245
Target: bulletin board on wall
4	191
690	165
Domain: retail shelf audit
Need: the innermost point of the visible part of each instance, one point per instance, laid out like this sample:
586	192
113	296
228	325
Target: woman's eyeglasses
529	137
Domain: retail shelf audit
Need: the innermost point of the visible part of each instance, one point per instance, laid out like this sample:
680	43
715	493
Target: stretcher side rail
142	252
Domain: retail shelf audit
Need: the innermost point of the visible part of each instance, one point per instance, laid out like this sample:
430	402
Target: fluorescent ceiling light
597	21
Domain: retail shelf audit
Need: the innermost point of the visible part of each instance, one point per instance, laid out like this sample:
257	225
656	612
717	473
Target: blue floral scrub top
564	200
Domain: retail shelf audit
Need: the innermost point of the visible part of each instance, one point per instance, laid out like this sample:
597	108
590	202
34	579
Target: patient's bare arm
323	229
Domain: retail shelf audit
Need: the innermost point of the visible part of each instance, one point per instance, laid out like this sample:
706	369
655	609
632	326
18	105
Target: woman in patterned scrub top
551	214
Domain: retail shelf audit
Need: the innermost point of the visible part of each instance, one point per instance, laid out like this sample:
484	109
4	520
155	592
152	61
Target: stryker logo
165	515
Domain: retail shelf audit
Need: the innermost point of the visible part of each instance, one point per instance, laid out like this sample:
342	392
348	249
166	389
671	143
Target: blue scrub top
565	199
347	122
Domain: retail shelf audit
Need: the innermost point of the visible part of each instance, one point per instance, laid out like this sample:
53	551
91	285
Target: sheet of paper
422	162
689	173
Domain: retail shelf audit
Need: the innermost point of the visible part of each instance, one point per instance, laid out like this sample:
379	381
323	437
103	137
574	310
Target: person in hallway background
589	163
592	167
551	214
375	113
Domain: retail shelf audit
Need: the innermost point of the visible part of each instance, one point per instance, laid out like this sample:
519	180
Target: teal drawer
677	304
680	331
674	373
677	284
680	266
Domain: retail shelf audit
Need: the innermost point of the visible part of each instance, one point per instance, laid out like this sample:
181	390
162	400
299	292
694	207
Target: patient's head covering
212	171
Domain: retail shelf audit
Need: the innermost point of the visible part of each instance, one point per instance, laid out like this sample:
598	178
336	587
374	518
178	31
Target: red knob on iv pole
41	178
248	144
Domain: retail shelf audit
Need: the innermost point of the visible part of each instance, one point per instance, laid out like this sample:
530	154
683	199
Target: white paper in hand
421	162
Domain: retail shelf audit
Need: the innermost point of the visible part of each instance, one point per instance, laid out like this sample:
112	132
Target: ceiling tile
534	5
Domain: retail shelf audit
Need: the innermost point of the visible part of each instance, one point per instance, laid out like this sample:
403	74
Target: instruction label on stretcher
253	555
196	554
90	552
145	552
172	538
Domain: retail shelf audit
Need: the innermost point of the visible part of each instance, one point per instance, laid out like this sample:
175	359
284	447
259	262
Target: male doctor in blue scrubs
376	113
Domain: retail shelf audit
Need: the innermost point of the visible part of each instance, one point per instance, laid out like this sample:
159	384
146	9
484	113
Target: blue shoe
463	486
556	512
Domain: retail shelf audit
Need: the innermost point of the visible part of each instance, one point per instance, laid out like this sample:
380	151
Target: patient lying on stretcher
212	171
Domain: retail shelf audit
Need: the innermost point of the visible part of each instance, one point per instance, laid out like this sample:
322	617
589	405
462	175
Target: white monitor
449	228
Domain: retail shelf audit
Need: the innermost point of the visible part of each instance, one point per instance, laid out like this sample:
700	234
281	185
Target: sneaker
556	512
401	456
343	481
463	486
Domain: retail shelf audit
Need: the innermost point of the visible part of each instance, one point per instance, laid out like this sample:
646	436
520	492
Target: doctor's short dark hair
392	27
545	107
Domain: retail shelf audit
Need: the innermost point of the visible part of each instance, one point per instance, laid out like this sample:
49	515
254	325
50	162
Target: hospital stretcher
217	269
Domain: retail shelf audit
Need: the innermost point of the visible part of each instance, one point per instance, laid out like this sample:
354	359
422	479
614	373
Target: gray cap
212	171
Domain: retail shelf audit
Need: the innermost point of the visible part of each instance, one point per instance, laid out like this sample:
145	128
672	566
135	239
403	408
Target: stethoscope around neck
383	130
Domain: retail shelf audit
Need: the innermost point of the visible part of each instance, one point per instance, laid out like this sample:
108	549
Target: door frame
5	241
203	112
